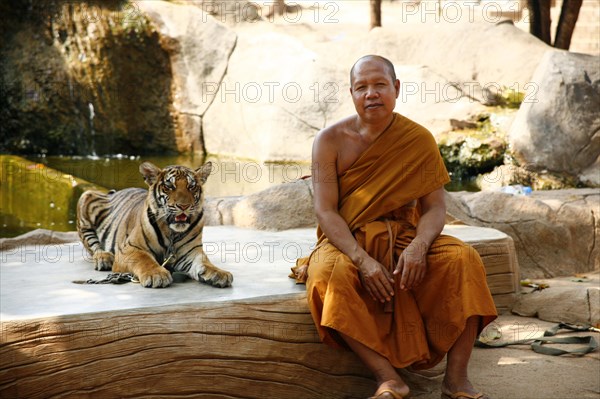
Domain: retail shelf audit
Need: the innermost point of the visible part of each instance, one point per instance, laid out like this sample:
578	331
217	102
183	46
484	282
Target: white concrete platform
37	280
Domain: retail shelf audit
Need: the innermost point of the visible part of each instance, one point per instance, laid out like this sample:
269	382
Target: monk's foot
461	389
391	389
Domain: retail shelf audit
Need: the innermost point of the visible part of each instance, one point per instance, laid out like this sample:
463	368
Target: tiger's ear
203	172
150	172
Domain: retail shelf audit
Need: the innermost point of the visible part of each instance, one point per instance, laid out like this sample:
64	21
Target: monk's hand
376	279
412	265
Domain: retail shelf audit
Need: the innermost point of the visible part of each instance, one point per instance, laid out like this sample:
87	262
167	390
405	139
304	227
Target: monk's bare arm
433	217
412	265
376	279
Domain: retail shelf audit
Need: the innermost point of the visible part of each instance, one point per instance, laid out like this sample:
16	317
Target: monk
382	281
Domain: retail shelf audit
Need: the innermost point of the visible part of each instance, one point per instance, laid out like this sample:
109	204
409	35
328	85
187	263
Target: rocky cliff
82	78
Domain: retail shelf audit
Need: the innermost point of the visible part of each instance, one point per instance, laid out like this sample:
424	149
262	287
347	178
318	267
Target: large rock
566	300
293	89
473	55
510	174
555	232
199	48
39	237
276	96
281	207
432	99
559	129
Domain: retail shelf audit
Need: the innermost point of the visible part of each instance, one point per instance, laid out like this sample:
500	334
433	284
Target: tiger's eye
169	185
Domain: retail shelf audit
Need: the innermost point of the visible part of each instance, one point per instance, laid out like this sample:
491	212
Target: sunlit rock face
560	130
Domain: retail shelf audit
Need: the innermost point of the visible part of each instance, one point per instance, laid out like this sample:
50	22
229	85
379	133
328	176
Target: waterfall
93	154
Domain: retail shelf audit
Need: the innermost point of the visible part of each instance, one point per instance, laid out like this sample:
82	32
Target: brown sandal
394	394
458	395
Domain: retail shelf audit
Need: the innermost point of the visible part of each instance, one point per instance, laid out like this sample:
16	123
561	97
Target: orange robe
402	165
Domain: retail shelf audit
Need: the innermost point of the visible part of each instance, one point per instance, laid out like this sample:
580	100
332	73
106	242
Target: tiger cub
136	230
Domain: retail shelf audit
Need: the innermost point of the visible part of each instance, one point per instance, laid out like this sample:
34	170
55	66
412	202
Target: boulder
294	90
38	237
566	300
199	48
509	174
555	232
281	207
273	109
472	54
559	130
432	99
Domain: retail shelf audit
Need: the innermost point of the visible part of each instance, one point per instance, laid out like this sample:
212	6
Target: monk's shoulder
336	132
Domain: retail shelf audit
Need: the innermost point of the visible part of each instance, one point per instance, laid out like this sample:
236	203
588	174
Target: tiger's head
176	192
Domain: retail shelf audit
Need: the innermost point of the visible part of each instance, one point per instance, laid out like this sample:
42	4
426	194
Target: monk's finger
388	281
404	273
388	288
421	275
370	291
408	276
399	267
413	276
382	293
376	286
367	286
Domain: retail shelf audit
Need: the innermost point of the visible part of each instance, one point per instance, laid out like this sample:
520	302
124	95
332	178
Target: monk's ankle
450	386
396	385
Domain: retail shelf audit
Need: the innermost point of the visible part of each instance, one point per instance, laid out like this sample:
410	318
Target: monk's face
373	91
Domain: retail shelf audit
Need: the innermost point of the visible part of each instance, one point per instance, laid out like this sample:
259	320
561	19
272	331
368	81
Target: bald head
377	58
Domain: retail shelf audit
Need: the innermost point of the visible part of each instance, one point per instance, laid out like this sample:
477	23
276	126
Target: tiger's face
177	192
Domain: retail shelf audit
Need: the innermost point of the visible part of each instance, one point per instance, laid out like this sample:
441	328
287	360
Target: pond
42	192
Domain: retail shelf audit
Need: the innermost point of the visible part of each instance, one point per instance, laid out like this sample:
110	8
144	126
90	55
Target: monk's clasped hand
377	280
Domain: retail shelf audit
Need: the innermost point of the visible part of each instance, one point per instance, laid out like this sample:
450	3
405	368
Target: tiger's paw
103	260
216	278
155	278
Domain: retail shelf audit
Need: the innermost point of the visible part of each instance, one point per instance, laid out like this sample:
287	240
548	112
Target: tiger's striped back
109	214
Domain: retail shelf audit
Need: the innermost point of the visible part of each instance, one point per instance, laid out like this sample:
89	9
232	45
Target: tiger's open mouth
182	218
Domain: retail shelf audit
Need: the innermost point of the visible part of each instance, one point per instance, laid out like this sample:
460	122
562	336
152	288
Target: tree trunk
566	24
279	7
375	13
539	19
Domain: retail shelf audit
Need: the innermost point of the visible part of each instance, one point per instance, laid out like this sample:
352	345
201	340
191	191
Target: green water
42	192
33	196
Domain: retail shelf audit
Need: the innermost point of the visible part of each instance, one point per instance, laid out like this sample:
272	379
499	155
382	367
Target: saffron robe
402	165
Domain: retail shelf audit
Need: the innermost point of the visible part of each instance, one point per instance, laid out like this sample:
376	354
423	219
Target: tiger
139	231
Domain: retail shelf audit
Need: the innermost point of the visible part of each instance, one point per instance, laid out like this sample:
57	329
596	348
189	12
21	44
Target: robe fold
402	165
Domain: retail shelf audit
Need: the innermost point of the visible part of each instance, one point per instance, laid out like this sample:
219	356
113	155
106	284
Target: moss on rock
474	150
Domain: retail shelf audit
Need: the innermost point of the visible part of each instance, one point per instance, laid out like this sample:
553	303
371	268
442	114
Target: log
259	348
